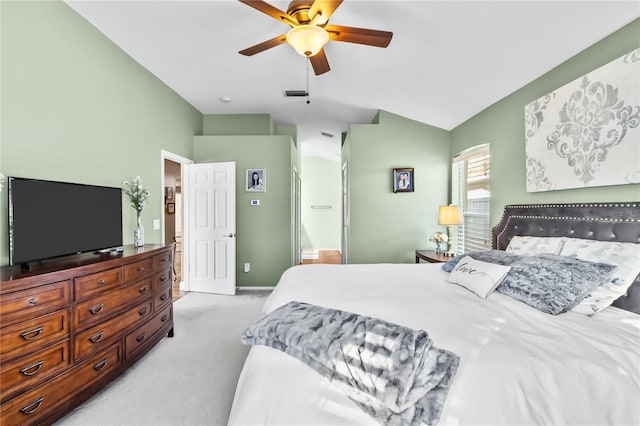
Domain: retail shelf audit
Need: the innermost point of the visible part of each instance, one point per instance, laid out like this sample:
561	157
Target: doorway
171	172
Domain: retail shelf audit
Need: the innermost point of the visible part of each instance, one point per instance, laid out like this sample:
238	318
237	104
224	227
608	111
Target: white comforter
517	365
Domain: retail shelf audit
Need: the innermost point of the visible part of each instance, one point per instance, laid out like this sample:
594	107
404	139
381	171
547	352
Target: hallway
325	256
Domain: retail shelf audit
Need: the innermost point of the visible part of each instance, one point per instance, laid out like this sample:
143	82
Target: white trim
263	288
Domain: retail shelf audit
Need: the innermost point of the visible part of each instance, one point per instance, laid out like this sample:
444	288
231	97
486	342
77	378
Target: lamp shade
307	39
450	215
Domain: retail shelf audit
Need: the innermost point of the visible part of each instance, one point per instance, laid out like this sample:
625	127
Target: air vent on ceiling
329	135
295	93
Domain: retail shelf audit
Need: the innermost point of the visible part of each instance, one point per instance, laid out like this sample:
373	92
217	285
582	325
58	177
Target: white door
211	225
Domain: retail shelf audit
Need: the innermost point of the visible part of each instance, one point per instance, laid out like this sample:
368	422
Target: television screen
50	219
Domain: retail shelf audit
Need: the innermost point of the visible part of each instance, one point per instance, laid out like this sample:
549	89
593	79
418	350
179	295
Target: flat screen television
50	219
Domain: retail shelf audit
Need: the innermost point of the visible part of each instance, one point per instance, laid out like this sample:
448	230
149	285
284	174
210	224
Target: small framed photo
256	180
403	180
171	208
168	192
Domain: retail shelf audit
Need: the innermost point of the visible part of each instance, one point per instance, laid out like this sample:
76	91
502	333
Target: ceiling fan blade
359	35
272	11
320	63
261	47
325	7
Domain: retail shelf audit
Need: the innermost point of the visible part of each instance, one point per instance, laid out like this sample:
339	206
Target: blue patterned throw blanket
392	372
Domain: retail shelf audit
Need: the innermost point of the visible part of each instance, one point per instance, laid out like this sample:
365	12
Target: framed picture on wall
403	180
256	180
168	192
171	208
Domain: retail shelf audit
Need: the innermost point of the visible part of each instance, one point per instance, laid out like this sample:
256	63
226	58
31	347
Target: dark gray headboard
597	221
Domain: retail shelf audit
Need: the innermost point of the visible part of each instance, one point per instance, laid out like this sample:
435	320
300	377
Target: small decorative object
439	238
256	180
403	180
137	195
450	215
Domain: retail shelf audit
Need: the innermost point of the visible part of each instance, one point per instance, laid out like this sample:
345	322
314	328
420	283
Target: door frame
167	155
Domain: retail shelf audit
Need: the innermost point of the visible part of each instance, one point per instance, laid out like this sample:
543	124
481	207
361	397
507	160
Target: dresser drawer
164	260
37	404
26	303
94	284
101	307
101	335
34	334
137	338
33	369
138	270
162	297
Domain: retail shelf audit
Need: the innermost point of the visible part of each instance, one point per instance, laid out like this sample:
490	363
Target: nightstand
431	256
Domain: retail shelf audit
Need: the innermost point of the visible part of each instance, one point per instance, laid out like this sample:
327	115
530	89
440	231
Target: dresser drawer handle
164	318
33	407
143	289
140	268
101	282
164	297
33	301
96	309
32	334
142	311
140	337
96	337
101	365
32	369
164	278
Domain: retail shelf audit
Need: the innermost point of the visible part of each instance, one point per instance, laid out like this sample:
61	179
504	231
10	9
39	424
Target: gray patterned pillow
550	283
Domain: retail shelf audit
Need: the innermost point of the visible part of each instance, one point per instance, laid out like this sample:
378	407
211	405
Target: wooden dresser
70	326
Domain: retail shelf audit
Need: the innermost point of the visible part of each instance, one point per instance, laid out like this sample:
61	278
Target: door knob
229	235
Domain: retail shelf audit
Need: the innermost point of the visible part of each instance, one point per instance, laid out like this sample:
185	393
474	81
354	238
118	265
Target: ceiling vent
329	135
295	93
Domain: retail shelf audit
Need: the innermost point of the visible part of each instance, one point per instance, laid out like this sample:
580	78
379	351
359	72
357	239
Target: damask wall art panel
587	133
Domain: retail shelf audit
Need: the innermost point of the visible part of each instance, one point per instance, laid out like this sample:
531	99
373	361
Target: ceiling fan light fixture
307	40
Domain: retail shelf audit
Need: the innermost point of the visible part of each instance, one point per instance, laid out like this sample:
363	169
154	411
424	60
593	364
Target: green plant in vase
138	196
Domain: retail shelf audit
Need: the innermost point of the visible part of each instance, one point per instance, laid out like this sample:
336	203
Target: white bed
518	365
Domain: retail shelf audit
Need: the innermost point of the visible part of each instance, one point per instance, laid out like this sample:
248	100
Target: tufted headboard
597	221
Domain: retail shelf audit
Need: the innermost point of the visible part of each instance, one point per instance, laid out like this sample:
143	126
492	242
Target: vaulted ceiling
447	61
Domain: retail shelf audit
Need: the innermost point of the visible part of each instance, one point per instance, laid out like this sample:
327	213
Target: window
470	190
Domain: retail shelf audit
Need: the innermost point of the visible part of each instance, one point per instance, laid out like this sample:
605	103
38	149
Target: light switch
156	224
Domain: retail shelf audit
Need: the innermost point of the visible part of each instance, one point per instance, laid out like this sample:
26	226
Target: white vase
138	233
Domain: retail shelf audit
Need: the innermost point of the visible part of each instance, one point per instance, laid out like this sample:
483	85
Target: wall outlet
247	267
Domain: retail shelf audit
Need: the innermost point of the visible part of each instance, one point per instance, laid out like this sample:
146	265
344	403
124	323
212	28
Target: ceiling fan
310	31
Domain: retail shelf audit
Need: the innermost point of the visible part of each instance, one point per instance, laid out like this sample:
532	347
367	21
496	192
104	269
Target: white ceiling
448	60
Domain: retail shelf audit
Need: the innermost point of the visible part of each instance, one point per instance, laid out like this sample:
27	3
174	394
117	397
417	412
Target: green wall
238	124
264	231
321	186
502	126
385	226
76	108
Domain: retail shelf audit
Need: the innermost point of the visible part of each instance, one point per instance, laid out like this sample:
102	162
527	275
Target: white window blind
470	190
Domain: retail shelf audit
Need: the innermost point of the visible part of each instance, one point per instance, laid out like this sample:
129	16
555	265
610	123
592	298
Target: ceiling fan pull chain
308	60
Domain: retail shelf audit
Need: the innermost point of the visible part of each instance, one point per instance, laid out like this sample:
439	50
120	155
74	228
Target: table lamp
449	215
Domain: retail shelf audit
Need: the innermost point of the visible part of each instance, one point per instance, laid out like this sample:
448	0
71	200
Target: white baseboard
262	287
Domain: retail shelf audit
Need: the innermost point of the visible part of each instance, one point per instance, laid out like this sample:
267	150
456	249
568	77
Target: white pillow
479	277
530	246
626	256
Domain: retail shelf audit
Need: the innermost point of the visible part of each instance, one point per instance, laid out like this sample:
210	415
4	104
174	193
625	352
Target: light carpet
189	379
